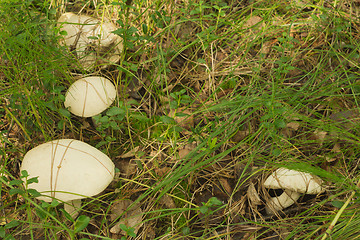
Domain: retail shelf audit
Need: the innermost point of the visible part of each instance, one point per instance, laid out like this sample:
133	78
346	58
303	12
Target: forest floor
212	97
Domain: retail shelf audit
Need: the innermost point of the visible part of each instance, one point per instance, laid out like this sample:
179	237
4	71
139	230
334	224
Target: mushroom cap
68	169
91	38
296	181
90	96
81	25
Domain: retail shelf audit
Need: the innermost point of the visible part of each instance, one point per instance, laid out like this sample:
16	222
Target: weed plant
213	96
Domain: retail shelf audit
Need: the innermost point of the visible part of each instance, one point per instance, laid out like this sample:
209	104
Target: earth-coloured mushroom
91	39
293	183
68	170
90	96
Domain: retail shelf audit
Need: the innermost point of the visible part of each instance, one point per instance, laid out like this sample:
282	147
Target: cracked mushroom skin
90	39
89	96
294	184
68	170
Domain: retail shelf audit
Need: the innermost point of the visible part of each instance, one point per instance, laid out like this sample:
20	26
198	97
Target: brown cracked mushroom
91	40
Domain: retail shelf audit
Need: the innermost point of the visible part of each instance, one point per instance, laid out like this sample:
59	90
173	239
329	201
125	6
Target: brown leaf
290	129
343	115
253	195
319	135
253	20
167	201
293	125
126	167
130	153
225	184
183	152
240	135
186	122
347	119
162	171
266	47
186	150
128	213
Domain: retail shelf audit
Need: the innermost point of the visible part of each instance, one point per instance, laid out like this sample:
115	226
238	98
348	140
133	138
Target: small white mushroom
294	183
90	96
91	39
68	170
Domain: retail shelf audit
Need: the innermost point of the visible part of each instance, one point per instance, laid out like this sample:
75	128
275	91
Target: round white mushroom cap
68	169
90	96
296	181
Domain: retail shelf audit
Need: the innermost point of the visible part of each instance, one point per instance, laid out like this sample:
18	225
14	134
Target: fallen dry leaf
253	195
126	167
266	47
162	171
130	153
131	218
183	152
290	130
240	135
186	150
253	20
319	135
225	184
186	122
293	125
167	201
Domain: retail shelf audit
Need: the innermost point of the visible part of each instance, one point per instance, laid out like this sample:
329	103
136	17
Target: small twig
72	47
8	132
18	123
333	223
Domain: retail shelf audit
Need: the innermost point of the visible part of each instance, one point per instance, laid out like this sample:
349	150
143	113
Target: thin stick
332	225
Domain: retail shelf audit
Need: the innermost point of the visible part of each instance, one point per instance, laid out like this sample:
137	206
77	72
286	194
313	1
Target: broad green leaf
12	224
33	192
16	191
64	112
15	182
55	203
113	111
167	120
203	209
32	180
213	201
337	203
2	232
81	223
279	123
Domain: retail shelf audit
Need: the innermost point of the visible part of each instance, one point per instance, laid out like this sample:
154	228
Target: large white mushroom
68	170
91	39
90	96
293	183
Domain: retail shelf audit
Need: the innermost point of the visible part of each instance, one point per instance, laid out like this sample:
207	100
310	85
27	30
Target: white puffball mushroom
294	183
90	96
78	28
68	170
91	39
